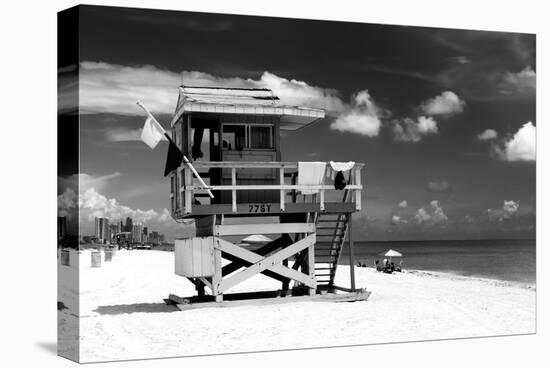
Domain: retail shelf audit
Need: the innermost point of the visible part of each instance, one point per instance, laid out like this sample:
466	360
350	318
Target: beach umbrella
256	239
392	253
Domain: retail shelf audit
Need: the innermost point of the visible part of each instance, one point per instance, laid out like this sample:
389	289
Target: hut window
234	137
261	136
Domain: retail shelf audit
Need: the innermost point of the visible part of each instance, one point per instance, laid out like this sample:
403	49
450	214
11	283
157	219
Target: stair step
323	268
323	274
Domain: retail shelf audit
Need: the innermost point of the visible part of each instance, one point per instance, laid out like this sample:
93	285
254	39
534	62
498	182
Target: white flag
151	133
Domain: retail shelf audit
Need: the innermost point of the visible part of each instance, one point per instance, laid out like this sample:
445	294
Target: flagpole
187	162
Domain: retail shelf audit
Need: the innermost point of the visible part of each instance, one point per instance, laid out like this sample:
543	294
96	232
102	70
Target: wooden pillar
285	286
351	255
311	265
217	277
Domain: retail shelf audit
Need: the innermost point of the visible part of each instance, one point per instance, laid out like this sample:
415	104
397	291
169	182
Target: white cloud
434	215
522	82
409	130
487	135
439	186
111	88
362	118
508	211
422	216
123	134
91	203
447	103
522	146
510	208
293	92
438	216
396	220
403	204
85	181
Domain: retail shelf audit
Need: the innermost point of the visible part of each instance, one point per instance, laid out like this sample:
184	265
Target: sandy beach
123	316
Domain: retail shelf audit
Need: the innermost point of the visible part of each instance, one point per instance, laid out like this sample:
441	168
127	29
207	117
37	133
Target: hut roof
254	101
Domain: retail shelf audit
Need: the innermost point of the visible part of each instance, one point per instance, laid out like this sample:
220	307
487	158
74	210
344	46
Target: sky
443	119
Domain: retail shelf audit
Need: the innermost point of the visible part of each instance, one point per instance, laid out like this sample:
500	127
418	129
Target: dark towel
339	181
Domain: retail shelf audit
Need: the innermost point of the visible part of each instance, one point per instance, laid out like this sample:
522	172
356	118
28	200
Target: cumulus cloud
91	203
439	186
403	204
396	220
409	130
508	211
447	103
522	82
362	118
123	134
85	181
522	146
434	215
487	135
112	88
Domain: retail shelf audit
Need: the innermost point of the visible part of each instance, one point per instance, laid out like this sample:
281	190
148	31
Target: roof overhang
292	118
244	101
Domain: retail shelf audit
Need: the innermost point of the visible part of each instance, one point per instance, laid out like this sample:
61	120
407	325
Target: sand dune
123	316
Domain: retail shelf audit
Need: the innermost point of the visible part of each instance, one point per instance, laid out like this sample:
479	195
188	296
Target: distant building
61	227
102	229
129	223
113	230
154	237
137	233
145	230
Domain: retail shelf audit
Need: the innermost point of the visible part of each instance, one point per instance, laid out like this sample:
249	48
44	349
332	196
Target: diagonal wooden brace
260	264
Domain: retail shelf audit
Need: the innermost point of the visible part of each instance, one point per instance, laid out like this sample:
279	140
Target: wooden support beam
260	263
237	263
351	255
206	282
234	191
358	191
188	190
281	228
274	187
217	277
311	267
280	272
282	191
271	208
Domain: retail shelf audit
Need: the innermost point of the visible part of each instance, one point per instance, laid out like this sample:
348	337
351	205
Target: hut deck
265	298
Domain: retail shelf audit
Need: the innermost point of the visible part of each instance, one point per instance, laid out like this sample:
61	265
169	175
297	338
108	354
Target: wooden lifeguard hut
232	137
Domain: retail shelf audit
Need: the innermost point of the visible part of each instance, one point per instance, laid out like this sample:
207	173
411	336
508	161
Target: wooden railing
187	188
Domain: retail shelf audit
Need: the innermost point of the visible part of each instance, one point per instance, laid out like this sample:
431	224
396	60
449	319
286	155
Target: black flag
174	157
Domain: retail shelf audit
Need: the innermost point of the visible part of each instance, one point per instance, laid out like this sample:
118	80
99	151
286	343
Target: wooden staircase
331	232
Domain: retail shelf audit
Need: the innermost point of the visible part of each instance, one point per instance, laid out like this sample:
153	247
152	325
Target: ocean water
506	260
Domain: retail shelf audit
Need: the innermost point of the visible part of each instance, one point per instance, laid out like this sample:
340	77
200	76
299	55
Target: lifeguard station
232	136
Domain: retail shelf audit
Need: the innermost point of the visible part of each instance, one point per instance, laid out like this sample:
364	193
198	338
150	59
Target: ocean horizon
509	260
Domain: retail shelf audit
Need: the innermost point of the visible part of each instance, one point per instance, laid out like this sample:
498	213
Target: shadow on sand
50	347
136	308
